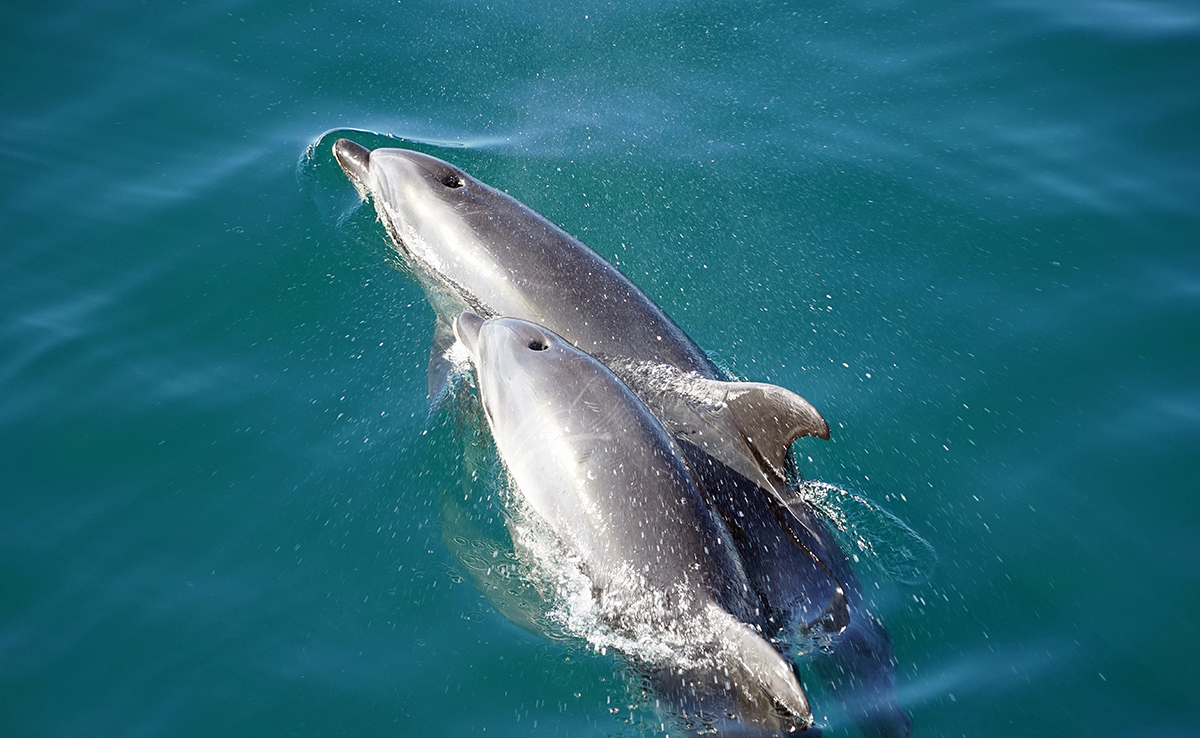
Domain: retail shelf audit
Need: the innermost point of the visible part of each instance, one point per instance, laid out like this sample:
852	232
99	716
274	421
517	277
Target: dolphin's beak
466	330
353	158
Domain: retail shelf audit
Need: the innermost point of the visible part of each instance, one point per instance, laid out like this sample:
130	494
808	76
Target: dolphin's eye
537	345
452	180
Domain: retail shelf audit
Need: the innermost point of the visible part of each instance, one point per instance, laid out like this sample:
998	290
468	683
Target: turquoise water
968	233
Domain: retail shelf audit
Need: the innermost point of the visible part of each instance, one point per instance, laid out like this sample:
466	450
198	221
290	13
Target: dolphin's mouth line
394	235
354	160
359	185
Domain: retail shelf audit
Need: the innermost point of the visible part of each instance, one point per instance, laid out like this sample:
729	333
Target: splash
654	382
874	533
659	629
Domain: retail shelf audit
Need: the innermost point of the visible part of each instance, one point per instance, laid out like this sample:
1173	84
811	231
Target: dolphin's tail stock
747	690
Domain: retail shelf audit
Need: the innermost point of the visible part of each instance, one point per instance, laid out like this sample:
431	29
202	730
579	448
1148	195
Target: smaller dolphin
594	464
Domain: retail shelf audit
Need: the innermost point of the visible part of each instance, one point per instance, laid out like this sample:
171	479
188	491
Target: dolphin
476	248
592	462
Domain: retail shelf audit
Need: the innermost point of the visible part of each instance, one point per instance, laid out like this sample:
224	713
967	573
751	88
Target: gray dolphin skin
476	248
501	258
594	463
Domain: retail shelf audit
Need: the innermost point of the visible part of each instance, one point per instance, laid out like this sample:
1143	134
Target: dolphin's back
560	283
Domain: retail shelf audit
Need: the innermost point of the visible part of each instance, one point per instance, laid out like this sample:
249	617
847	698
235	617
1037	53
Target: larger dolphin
595	465
476	248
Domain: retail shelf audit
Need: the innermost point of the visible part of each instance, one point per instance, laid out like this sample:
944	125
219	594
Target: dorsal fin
771	417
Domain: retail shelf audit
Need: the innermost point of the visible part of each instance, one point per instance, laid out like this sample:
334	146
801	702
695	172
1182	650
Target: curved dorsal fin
771	417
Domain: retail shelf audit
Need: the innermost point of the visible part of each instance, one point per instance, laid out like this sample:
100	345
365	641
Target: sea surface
967	232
